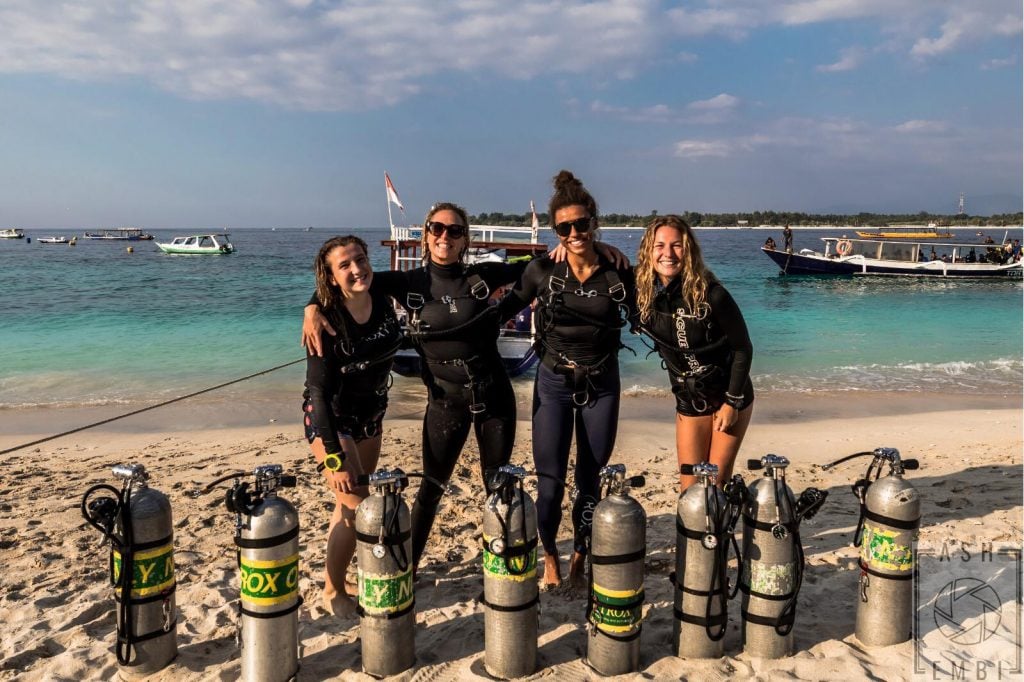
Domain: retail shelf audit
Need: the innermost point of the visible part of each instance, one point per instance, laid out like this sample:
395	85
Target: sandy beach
57	607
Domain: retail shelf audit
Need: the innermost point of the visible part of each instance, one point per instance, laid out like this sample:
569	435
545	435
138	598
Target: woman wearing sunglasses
455	331
700	334
346	394
582	303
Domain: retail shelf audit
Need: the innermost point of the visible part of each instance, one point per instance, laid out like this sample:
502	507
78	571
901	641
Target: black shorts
702	398
360	427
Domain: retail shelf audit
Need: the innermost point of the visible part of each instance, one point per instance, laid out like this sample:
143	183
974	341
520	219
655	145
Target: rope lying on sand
151	407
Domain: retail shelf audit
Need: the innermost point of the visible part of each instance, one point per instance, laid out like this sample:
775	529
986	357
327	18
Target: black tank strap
276	614
715	621
143	546
604	560
389	540
508	609
791	526
889	521
385	616
513	551
266	543
786	619
628	638
687	532
160	596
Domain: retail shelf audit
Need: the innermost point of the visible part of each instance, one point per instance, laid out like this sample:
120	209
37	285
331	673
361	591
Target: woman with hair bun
702	339
582	304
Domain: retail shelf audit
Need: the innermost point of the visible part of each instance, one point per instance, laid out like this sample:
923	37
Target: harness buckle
585	294
617	292
556	283
411	297
477	408
482	288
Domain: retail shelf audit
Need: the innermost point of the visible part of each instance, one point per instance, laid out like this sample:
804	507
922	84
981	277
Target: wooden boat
199	244
488	243
908	232
843	256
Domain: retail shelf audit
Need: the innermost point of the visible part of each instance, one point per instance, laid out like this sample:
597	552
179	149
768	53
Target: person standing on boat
700	334
346	395
787	239
581	306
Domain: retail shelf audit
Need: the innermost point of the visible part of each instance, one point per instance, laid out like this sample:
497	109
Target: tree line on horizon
792	218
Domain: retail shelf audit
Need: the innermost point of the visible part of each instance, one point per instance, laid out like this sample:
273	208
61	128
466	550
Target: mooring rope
151	407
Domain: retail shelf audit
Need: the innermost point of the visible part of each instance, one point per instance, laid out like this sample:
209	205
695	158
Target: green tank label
265	583
880	551
775	580
152	570
380	594
611	612
523	567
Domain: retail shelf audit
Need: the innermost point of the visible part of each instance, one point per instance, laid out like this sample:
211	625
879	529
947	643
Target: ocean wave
989	377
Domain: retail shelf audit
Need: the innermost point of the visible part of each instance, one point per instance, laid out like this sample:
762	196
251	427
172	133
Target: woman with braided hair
346	395
699	332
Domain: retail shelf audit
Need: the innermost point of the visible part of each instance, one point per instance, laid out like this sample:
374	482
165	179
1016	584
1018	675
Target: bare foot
577	570
351	588
552	573
342	606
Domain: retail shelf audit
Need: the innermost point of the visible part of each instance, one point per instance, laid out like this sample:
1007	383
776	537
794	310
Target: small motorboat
11	233
199	244
52	240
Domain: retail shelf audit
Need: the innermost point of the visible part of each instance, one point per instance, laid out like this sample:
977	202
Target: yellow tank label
880	551
152	570
616	611
774	580
380	594
265	583
518	568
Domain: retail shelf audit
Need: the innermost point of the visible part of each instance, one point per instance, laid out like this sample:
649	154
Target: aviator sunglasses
454	231
582	226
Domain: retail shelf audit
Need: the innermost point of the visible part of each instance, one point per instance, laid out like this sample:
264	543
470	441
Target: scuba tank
384	554
510	577
773	558
267	538
890	514
137	522
617	549
705	521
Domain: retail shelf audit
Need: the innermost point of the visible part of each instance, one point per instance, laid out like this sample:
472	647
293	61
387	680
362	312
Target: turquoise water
93	324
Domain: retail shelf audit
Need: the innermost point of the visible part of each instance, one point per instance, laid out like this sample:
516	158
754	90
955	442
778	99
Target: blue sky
258	114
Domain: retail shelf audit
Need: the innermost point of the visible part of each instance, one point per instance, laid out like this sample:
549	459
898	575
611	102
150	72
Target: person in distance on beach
577	386
702	338
346	395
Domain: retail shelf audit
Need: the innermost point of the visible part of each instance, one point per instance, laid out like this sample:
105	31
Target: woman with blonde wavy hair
699	332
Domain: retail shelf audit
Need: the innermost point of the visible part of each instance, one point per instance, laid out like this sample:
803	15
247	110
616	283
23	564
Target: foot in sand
577	570
340	605
351	588
552	577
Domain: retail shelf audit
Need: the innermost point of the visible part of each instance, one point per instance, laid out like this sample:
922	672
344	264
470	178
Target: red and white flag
392	194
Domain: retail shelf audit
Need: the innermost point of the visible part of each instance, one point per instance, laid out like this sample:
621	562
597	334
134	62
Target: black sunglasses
582	226
454	231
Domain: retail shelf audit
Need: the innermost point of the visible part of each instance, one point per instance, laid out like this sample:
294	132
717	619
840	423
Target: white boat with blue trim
199	244
843	256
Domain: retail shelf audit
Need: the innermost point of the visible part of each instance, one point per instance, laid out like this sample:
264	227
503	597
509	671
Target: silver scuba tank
890	515
617	550
705	520
384	552
773	558
267	538
510	577
137	522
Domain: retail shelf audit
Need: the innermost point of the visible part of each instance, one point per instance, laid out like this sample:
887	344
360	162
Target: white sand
57	610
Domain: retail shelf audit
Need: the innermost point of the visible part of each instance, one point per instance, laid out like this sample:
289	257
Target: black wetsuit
707	352
577	385
454	329
347	389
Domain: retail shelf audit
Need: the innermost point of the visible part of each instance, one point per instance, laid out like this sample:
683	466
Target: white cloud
849	59
720	102
921	127
363	54
709	111
993	64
